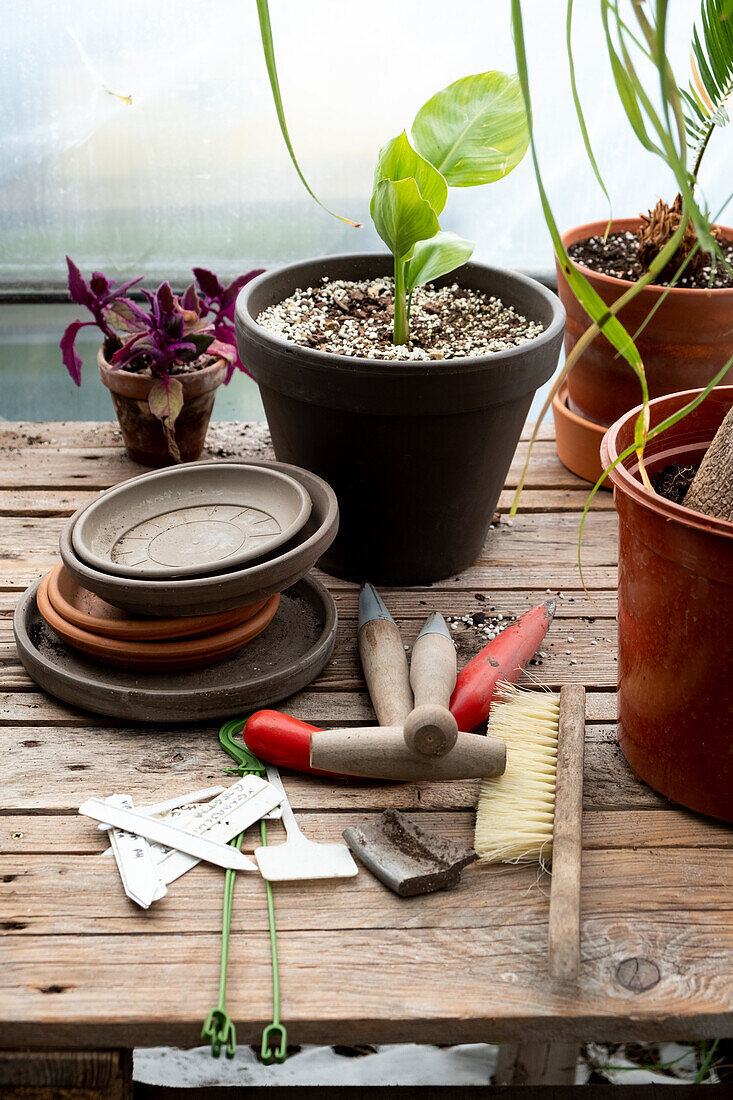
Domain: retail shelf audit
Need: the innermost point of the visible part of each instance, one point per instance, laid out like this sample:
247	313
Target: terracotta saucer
90	612
156	656
577	440
282	660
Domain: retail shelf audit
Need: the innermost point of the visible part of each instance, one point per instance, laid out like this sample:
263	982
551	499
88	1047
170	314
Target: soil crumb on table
356	318
618	256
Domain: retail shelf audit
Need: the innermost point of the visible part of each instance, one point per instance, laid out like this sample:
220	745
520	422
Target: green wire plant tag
219	1029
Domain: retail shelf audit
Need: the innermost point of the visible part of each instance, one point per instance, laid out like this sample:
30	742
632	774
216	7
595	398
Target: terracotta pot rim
625	479
559	402
191	376
620	225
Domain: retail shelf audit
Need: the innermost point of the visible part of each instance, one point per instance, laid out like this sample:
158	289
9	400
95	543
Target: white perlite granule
355	319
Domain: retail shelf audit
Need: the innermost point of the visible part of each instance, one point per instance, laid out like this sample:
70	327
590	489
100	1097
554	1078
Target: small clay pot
577	440
686	342
675	609
142	432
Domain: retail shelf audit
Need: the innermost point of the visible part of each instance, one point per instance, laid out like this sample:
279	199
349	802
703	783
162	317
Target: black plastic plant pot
417	452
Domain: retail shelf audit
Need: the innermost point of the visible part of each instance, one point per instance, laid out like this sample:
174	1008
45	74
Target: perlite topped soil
355	318
618	256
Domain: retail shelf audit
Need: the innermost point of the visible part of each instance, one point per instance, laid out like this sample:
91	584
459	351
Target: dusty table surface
83	967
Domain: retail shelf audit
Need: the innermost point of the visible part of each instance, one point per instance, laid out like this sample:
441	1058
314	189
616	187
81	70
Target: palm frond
712	79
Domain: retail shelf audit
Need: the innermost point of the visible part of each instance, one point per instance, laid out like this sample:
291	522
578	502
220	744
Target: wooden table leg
536	1064
71	1074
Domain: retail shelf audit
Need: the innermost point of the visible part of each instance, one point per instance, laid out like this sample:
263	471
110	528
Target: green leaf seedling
473	132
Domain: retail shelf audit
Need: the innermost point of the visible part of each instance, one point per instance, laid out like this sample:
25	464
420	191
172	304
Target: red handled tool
502	660
282	740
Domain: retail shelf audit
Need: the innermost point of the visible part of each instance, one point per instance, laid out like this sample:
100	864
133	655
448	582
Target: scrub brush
533	812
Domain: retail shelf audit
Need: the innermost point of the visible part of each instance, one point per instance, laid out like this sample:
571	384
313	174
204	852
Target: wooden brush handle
376	753
385	668
564	930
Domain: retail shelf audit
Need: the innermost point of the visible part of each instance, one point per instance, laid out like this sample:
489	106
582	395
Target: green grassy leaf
474	131
268	46
442	253
579	108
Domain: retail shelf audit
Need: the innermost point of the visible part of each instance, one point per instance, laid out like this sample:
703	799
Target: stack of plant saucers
184	593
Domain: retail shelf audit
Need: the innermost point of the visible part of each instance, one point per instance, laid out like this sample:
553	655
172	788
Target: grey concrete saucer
190	520
286	657
222	591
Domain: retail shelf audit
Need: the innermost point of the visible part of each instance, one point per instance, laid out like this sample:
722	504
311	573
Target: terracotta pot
577	440
142	432
686	342
417	452
675	596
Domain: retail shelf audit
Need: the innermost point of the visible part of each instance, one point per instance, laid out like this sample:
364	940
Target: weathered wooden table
83	970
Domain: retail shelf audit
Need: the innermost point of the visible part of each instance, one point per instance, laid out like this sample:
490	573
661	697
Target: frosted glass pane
193	170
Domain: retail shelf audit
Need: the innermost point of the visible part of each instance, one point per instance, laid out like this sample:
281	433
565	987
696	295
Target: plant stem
401	327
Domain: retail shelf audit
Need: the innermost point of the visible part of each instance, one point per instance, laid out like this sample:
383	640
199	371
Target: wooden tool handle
564	930
379	753
431	729
385	668
433	670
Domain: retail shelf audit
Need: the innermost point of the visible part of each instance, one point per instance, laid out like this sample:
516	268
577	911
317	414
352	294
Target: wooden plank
64	894
93	467
34	708
536	1064
547	537
419	984
38	833
101	760
106	433
66	1075
47	502
450	601
589	658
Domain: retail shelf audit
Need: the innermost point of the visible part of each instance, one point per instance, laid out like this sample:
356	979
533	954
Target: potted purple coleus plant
162	360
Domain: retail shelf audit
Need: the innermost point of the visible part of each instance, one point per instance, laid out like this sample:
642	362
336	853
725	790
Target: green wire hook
218	1028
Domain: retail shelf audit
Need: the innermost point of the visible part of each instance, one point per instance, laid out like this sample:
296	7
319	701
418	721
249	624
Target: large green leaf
474	131
401	216
442	253
398	160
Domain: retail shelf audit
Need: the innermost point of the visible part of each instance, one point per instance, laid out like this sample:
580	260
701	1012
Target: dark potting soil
355	318
618	256
673	482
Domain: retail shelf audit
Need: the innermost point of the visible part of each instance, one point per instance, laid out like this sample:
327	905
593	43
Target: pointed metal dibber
371	605
435	624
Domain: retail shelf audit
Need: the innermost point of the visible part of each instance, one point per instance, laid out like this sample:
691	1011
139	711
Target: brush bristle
516	810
